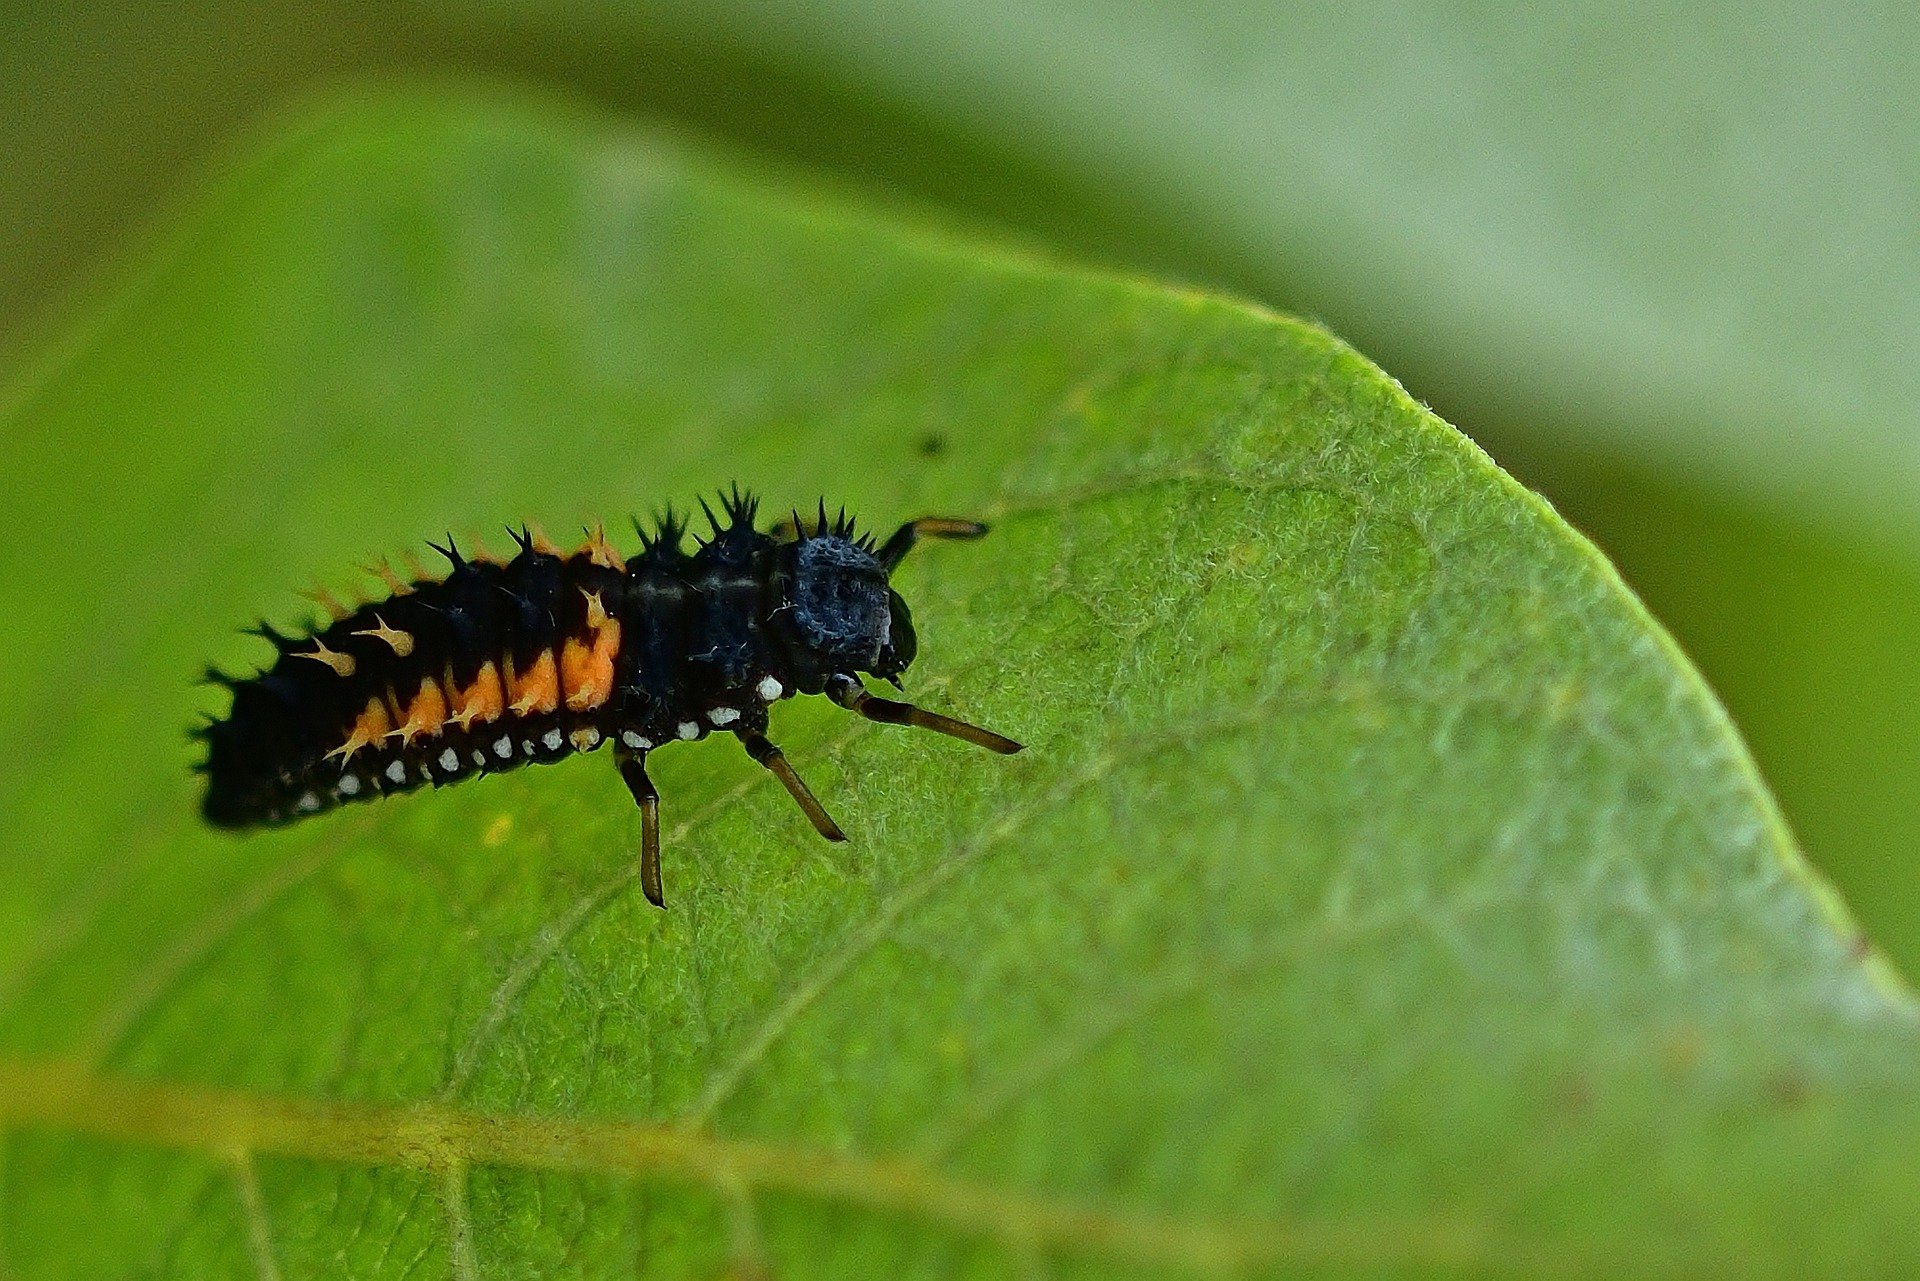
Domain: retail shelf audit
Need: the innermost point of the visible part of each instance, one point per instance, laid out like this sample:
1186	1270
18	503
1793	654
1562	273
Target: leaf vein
118	1021
728	1077
436	1138
259	1230
453	1193
1131	1006
555	934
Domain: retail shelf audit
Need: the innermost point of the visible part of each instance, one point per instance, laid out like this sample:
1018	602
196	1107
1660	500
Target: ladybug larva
526	661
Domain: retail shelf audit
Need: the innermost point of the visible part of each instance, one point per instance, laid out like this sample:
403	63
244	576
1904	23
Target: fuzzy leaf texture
1380	894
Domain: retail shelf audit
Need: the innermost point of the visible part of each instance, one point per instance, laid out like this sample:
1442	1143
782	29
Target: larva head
840	610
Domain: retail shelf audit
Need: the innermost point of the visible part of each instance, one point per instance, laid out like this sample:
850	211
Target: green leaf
1380	893
1713	339
1662	267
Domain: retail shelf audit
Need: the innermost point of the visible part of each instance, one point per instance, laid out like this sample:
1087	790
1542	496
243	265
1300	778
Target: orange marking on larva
544	545
425	715
370	727
600	551
414	567
402	642
383	570
597	615
342	664
574	658
537	689
481	701
328	601
588	670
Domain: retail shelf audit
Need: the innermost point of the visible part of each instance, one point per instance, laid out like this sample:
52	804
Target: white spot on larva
688	729
308	802
526	747
449	760
397	771
349	785
479	757
723	715
551	740
503	747
635	741
769	689
586	738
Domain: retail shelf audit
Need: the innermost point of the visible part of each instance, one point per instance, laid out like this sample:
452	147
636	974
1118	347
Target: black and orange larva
502	664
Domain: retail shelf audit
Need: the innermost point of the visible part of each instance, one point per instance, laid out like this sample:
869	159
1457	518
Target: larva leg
895	549
850	694
633	768
770	756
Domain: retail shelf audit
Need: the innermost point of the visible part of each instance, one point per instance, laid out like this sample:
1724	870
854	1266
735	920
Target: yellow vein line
259	1230
453	1193
435	1137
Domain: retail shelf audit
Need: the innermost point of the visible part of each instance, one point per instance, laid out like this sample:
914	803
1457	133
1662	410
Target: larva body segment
499	665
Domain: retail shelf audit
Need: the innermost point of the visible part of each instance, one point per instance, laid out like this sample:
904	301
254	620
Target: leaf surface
1661	265
1380	893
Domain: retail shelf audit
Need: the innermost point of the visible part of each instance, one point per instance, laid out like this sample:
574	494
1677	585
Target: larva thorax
748	619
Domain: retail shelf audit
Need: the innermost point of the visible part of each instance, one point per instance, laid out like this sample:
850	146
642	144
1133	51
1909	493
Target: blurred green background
1664	268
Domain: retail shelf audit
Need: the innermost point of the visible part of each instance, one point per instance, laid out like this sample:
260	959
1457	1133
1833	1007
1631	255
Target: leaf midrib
237	1125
